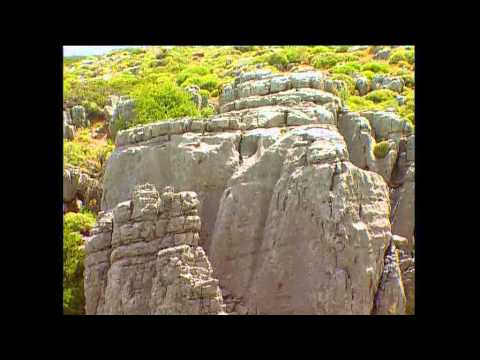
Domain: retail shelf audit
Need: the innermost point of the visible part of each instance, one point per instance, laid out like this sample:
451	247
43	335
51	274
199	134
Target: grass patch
376	67
381	149
380	95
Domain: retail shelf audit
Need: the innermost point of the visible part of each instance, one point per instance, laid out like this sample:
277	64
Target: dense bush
329	59
349	68
381	149
74	226
380	95
193	71
278	59
350	82
376	67
402	54
161	101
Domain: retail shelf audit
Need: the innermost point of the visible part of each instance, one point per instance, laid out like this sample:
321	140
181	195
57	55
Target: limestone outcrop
78	185
78	117
144	258
297	212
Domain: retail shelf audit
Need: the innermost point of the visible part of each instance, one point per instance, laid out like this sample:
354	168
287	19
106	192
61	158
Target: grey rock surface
390	298
123	115
79	118
381	81
79	185
280	239
143	259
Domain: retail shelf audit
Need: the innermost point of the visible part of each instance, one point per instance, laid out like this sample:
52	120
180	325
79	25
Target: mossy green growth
348	68
381	149
376	67
402	54
381	95
349	81
74	226
328	60
278	59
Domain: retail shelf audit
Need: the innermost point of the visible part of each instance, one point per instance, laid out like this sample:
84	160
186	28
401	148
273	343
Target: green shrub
349	68
359	103
161	101
368	74
328	60
376	67
193	71
297	54
206	112
74	225
321	49
381	149
350	82
209	82
402	54
380	95
278	59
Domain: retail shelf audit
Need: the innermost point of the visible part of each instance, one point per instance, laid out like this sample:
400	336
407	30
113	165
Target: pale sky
92	50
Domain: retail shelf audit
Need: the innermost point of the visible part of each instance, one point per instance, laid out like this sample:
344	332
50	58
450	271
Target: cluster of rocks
379	81
143	258
78	185
295	206
382	81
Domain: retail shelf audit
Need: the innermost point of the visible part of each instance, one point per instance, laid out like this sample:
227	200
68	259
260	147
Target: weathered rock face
390	299
144	258
295	206
68	131
381	81
79	118
301	230
123	114
78	185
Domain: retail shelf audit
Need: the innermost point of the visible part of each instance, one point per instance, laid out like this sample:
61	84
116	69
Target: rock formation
144	258
81	186
78	117
297	213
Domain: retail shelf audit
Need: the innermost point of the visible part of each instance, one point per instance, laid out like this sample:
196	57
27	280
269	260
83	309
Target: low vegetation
75	226
381	149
